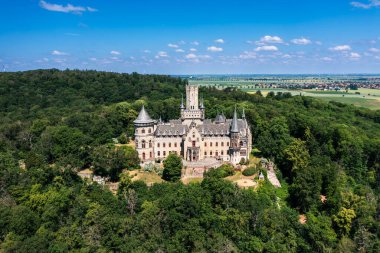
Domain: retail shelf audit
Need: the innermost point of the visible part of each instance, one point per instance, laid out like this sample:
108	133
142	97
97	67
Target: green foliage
107	160
249	171
344	219
223	171
172	168
55	122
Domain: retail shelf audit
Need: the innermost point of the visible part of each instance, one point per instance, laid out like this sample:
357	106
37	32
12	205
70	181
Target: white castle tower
144	135
194	111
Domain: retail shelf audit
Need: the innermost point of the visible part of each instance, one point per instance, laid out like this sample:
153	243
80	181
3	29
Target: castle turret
144	135
235	140
182	106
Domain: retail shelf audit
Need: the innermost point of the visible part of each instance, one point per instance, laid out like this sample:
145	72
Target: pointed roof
182	106
143	117
220	118
243	115
234	123
202	106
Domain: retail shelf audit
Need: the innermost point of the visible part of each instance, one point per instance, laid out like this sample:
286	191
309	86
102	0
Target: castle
192	136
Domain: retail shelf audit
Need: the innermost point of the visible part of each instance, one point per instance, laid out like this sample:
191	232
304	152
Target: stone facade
192	136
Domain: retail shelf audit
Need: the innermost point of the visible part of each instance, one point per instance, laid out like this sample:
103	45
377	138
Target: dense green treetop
53	123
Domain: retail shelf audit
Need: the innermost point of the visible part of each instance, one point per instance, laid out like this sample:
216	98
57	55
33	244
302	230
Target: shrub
221	172
249	171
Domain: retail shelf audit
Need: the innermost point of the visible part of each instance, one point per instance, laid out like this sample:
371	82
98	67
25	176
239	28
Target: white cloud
195	43
146	51
191	56
221	41
173	45
114	58
374	50
354	56
93	59
327	58
286	56
43	60
318	43
341	48
91	9
301	41
368	5
56	52
193	50
266	48
180	50
196	58
69	8
113	52
271	39
161	54
214	49
246	55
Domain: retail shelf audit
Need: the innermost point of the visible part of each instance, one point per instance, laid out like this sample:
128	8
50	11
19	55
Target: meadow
368	98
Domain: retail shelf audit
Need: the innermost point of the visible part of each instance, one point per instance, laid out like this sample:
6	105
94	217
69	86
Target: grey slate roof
171	130
143	117
209	128
220	118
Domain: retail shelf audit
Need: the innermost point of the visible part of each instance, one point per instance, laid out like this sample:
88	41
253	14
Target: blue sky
192	37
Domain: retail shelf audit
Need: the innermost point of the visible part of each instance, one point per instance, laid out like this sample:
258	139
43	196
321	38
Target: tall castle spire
182	106
234	123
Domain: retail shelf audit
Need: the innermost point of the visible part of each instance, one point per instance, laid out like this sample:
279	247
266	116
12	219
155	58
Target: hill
56	122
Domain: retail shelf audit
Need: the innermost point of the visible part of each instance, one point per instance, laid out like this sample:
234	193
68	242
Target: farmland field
363	97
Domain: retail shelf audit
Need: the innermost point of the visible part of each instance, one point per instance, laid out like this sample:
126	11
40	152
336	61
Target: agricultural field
363	97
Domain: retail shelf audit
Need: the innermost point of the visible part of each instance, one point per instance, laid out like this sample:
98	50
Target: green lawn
373	104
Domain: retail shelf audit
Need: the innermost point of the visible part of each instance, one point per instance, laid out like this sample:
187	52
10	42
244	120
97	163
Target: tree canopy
54	123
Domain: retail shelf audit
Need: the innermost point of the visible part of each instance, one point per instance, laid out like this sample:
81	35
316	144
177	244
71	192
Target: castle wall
165	145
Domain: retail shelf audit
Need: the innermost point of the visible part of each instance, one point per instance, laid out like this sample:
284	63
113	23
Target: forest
54	123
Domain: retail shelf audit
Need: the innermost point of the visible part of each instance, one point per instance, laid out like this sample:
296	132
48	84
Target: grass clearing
373	104
148	177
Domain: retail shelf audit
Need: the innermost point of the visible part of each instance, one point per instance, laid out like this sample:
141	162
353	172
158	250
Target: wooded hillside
53	123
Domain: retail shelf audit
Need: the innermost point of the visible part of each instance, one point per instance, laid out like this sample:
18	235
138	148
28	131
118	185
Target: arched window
170	144
175	144
216	143
143	144
143	131
205	144
164	144
137	144
150	143
143	156
150	155
222	144
158	145
241	143
150	130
